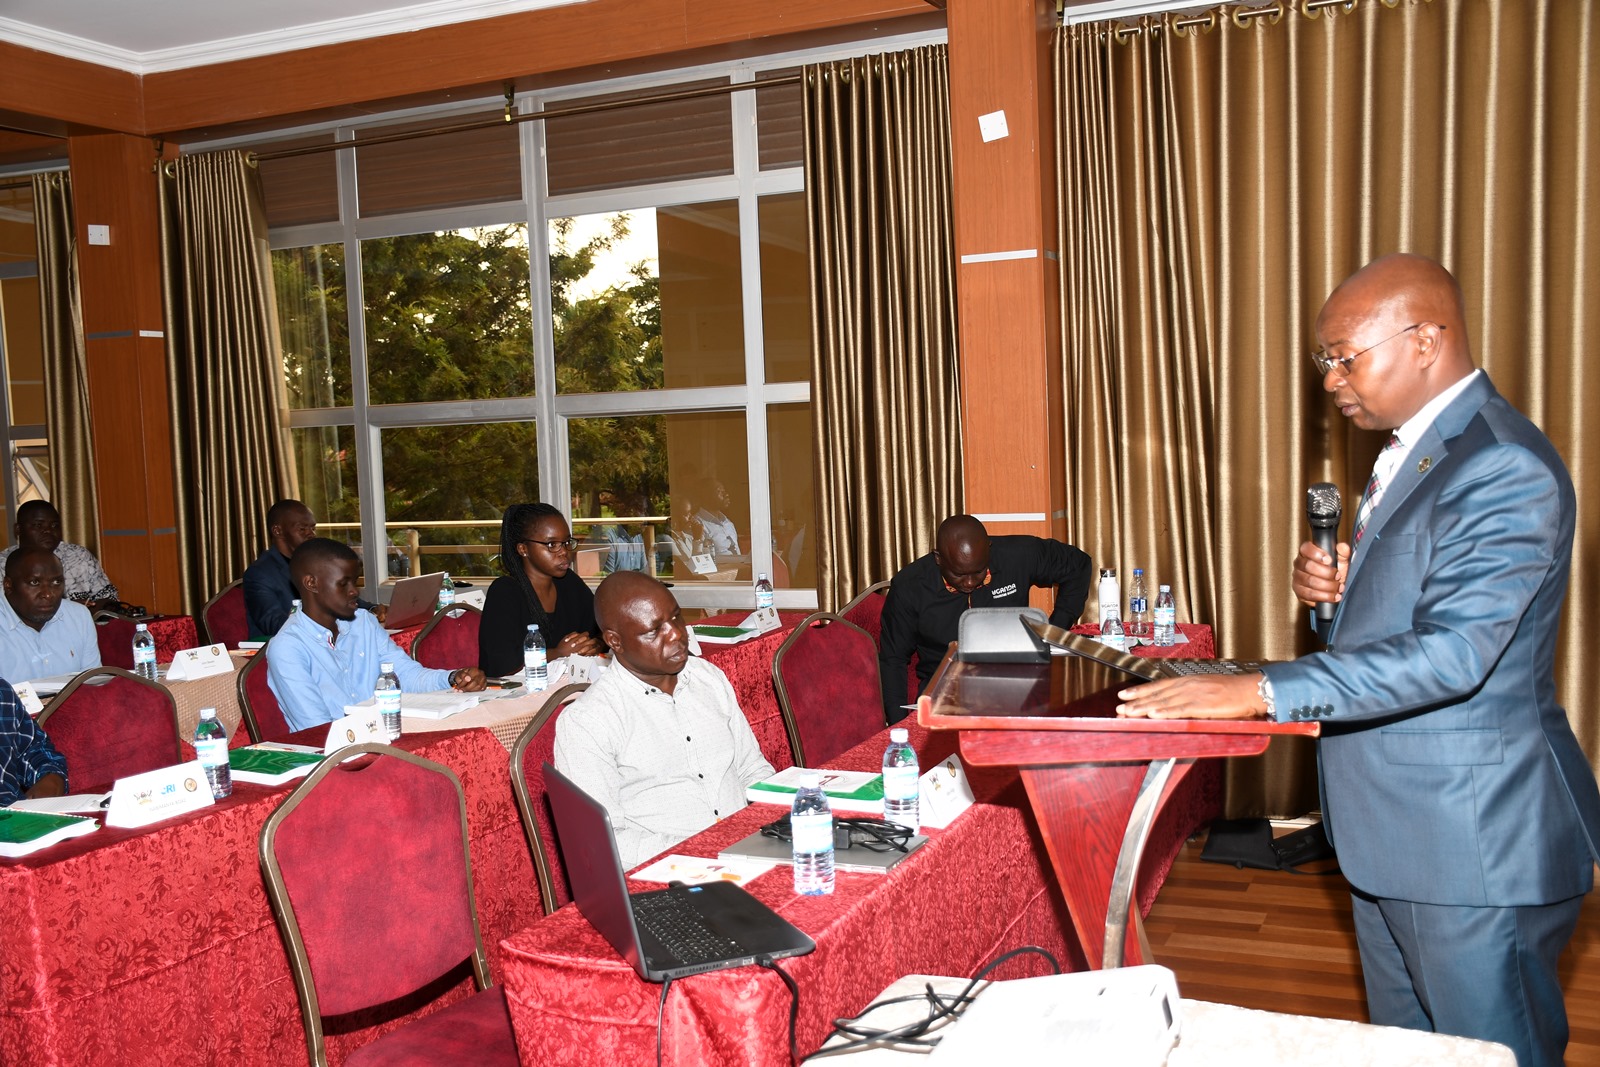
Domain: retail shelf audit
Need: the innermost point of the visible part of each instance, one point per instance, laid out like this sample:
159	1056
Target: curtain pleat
231	449
1216	184
66	376
885	393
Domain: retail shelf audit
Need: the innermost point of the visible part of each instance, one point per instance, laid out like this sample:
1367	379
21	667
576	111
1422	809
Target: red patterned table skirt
976	890
130	947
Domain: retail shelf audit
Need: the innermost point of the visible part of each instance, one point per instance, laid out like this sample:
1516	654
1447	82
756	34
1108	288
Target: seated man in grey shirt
659	739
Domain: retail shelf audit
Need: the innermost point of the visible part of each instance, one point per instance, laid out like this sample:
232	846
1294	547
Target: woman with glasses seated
540	586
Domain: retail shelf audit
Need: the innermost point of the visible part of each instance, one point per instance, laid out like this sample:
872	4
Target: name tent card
142	799
30	699
203	662
945	794
702	563
359	725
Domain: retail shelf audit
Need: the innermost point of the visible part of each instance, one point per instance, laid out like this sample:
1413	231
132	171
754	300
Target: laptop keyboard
681	929
1210	666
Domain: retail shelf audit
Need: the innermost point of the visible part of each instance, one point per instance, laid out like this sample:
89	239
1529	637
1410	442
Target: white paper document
439	705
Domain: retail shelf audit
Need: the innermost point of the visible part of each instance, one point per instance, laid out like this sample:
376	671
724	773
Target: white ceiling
144	36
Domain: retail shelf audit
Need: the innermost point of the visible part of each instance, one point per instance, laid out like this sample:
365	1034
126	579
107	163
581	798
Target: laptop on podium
1147	668
665	933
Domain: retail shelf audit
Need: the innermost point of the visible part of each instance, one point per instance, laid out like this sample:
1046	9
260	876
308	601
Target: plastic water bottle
1110	593
387	694
535	671
1166	618
211	746
1138	607
901	790
763	592
811	827
1111	634
447	594
144	652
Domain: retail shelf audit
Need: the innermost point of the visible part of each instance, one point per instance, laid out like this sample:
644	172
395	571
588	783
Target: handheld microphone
1323	509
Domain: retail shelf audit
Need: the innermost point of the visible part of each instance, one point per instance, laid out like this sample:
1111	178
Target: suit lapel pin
1423	464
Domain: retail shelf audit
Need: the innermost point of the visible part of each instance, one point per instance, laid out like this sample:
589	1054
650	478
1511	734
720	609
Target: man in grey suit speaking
1463	810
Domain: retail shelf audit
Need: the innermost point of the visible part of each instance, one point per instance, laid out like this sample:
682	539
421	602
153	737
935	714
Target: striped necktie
1374	493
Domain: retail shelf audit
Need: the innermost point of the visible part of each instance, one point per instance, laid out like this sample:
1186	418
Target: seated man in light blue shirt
41	632
328	654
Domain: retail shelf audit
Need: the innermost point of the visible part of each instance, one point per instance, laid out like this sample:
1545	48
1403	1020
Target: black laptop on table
666	933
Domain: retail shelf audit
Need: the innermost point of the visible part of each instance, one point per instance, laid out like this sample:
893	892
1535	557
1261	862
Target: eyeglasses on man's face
1326	363
555	546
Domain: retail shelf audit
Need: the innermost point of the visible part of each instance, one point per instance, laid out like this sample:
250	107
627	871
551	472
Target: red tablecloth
173	634
748	666
977	889
131	947
1201	642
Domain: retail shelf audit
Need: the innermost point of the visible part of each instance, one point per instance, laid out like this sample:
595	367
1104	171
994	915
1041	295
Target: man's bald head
1401	324
25	558
619	589
962	553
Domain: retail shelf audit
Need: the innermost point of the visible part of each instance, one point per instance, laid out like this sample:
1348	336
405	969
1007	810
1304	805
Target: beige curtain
885	394
66	376
231	439
1216	183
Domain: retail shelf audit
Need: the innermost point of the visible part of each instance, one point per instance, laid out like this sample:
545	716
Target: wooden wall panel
484	52
57	90
1008	307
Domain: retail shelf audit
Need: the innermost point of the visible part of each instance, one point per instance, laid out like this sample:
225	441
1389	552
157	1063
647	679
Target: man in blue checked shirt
30	766
328	655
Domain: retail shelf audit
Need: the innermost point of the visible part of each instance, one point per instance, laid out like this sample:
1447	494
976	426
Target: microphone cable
940	1008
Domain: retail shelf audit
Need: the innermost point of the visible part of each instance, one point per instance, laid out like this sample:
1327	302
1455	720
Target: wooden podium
1096	782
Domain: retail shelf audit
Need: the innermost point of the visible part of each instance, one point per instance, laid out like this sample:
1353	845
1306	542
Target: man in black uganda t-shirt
968	569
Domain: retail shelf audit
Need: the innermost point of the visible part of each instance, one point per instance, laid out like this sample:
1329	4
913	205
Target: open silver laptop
412	601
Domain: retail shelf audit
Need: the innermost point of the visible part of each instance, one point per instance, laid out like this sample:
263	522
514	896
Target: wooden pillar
1007	280
114	186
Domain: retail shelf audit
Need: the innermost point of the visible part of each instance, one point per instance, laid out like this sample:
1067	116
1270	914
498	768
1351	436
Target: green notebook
859	792
270	766
22	832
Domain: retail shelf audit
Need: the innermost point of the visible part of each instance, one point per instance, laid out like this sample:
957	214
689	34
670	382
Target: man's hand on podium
1205	696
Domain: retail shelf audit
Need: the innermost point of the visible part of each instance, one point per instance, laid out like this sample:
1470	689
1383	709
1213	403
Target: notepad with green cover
858	792
270	766
724	635
22	832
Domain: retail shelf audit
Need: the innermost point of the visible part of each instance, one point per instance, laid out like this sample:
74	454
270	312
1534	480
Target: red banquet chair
446	643
826	675
110	723
258	704
113	633
223	619
866	610
534	748
400	892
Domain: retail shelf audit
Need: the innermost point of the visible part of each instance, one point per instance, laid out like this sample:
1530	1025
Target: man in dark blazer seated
1463	810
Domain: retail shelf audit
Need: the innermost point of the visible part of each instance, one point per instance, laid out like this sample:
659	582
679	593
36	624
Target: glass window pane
482	166
325	468
789	458
16	224
650	491
448	316
668	141
300	189
780	122
702	307
312	325
785	288
30	473
24	347
445	488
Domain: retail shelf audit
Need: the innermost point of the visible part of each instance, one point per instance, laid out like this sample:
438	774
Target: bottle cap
385	668
1166	588
533	627
141	628
1108	572
761	577
1138	571
898	735
208	713
809	779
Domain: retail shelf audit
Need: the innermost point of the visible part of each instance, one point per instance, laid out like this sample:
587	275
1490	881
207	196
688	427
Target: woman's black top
506	615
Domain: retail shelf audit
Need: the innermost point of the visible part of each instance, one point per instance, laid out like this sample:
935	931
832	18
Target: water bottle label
144	655
1165	616
533	659
389	700
812	833
900	783
1138	605
212	752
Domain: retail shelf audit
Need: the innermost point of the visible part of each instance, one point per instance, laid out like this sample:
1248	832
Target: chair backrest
866	610
399	891
110	723
223	619
535	746
113	632
445	643
258	704
826	675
